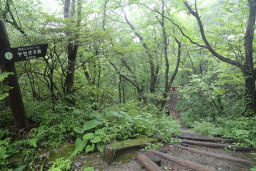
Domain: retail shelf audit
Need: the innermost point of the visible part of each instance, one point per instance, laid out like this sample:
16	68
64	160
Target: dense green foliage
213	104
109	69
97	128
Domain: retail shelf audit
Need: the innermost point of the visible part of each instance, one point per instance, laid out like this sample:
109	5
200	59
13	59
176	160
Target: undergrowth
89	130
243	129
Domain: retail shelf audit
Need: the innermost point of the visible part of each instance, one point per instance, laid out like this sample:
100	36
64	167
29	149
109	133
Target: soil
172	109
126	162
210	162
165	164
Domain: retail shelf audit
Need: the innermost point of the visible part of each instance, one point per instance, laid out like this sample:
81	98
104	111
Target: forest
124	70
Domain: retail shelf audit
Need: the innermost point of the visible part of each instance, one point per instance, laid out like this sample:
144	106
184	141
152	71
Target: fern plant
3	88
61	164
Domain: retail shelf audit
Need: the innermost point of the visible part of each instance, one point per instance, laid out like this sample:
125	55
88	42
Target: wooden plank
204	139
182	162
223	157
149	165
216	145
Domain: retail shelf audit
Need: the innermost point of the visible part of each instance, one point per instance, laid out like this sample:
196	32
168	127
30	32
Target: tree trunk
69	83
248	67
119	89
165	94
248	70
153	76
165	48
123	90
16	103
134	82
250	98
67	9
72	48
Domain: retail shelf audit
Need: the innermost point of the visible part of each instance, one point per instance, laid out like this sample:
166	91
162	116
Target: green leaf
99	131
3	96
79	145
88	136
110	115
79	130
89	148
32	142
242	133
21	168
4	75
90	125
3	153
100	147
96	139
89	169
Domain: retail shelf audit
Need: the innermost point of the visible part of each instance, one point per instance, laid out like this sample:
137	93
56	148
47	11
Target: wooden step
217	145
147	163
182	162
222	157
204	139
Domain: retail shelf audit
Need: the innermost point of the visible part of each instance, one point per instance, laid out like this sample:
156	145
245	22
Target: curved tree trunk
247	68
165	94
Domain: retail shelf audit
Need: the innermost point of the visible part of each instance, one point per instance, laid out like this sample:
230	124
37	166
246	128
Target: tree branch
208	46
180	29
177	64
150	57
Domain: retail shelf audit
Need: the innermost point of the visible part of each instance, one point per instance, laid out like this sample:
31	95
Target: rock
77	164
44	155
64	151
156	160
83	157
111	151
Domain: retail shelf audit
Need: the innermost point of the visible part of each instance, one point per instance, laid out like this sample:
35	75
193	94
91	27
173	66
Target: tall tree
16	102
247	65
168	81
69	11
154	70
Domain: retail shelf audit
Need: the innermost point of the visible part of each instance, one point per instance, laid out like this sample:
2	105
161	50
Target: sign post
11	55
7	58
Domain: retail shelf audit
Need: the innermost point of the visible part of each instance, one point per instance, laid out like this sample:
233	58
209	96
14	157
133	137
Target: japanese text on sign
11	55
29	52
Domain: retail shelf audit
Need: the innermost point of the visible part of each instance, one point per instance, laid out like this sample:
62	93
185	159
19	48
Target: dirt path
195	153
172	109
199	152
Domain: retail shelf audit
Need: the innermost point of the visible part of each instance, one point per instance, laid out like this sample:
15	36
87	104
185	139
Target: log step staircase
200	154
